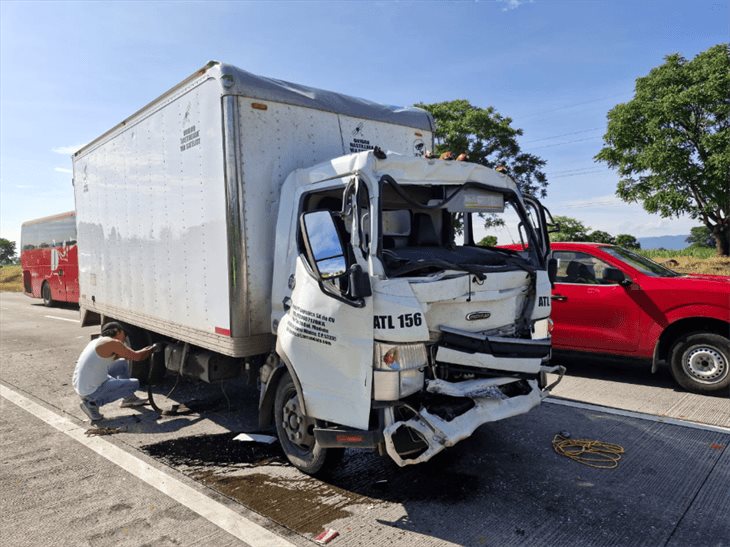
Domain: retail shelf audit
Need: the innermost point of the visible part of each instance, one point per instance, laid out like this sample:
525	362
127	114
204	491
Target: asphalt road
182	480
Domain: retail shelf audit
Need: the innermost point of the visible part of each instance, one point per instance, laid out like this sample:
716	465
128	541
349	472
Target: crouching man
101	375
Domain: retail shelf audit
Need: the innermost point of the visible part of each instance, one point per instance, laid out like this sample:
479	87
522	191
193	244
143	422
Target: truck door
327	329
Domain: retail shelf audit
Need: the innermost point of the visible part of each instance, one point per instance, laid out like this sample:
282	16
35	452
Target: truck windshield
419	235
641	263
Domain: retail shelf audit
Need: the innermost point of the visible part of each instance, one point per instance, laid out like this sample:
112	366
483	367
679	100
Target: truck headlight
398	370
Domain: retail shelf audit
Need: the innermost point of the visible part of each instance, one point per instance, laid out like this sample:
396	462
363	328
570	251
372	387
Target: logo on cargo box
190	138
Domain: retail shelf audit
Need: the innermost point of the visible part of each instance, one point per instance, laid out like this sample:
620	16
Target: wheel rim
705	364
296	425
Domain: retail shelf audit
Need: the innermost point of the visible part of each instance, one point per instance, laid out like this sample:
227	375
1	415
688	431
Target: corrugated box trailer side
177	205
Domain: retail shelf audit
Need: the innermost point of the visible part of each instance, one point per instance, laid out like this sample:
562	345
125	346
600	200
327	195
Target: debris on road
255	438
598	454
325	537
98	431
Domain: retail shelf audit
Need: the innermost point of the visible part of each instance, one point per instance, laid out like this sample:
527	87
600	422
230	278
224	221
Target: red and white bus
49	258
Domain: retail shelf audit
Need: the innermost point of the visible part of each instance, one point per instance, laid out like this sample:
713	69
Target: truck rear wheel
46	295
296	432
700	362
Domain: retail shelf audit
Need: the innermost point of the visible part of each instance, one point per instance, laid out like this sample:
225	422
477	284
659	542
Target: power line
563	135
576	174
574	170
568	106
565	142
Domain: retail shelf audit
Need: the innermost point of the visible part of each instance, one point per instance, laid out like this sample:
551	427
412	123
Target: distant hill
672	243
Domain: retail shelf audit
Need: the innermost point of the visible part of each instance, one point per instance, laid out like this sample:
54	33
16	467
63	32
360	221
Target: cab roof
405	170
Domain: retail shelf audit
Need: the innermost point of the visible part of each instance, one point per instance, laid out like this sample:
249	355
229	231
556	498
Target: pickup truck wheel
296	431
46	295
700	362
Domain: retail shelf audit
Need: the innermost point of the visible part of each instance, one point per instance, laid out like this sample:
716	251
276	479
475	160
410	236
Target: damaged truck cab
389	334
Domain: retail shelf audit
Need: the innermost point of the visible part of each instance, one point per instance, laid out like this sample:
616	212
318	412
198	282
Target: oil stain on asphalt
247	473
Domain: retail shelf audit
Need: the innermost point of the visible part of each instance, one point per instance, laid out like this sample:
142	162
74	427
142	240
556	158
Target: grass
11	278
701	260
694	252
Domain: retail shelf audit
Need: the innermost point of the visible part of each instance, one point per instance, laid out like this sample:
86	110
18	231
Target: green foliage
601	237
700	236
7	251
570	229
489	139
627	241
694	252
488	241
671	143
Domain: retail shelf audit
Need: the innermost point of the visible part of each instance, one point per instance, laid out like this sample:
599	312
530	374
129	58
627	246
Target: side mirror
614	275
324	244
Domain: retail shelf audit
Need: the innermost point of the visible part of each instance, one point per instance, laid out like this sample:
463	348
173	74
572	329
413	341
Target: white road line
61	318
215	512
640	415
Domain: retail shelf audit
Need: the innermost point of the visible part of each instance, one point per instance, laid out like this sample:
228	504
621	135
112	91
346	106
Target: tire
46	295
296	432
700	362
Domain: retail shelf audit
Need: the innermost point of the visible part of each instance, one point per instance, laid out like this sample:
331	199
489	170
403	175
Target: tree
671	143
701	236
570	229
627	241
488	241
489	139
7	251
601	237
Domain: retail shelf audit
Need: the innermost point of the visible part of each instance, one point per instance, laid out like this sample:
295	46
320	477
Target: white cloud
24	186
63	170
513	4
67	150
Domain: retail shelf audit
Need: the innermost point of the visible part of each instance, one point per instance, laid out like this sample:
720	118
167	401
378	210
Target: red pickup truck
609	300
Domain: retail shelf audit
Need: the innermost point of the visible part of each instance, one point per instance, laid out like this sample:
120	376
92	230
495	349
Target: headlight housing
398	370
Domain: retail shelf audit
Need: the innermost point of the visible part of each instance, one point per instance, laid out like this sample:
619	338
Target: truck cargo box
176	205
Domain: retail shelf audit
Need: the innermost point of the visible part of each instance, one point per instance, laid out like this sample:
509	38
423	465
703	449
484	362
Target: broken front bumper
490	405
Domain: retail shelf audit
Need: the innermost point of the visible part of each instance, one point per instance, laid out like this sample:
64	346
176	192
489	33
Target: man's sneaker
131	401
91	409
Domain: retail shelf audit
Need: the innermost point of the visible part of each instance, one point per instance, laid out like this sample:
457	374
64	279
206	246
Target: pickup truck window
643	264
580	268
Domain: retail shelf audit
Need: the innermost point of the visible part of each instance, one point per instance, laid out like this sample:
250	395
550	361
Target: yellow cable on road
598	454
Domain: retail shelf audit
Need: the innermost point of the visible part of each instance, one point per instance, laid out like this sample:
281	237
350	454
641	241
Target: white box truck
251	222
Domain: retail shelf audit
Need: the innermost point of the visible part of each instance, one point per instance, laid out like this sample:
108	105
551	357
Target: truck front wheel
296	431
700	362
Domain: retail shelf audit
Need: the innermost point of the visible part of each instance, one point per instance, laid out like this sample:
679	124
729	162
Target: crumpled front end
452	411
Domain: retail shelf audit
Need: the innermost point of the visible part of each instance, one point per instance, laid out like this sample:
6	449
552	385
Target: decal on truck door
312	326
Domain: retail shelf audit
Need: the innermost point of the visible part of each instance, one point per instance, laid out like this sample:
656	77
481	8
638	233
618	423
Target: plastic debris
255	438
325	537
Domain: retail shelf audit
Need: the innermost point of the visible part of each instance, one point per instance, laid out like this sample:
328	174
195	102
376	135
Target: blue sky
69	71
